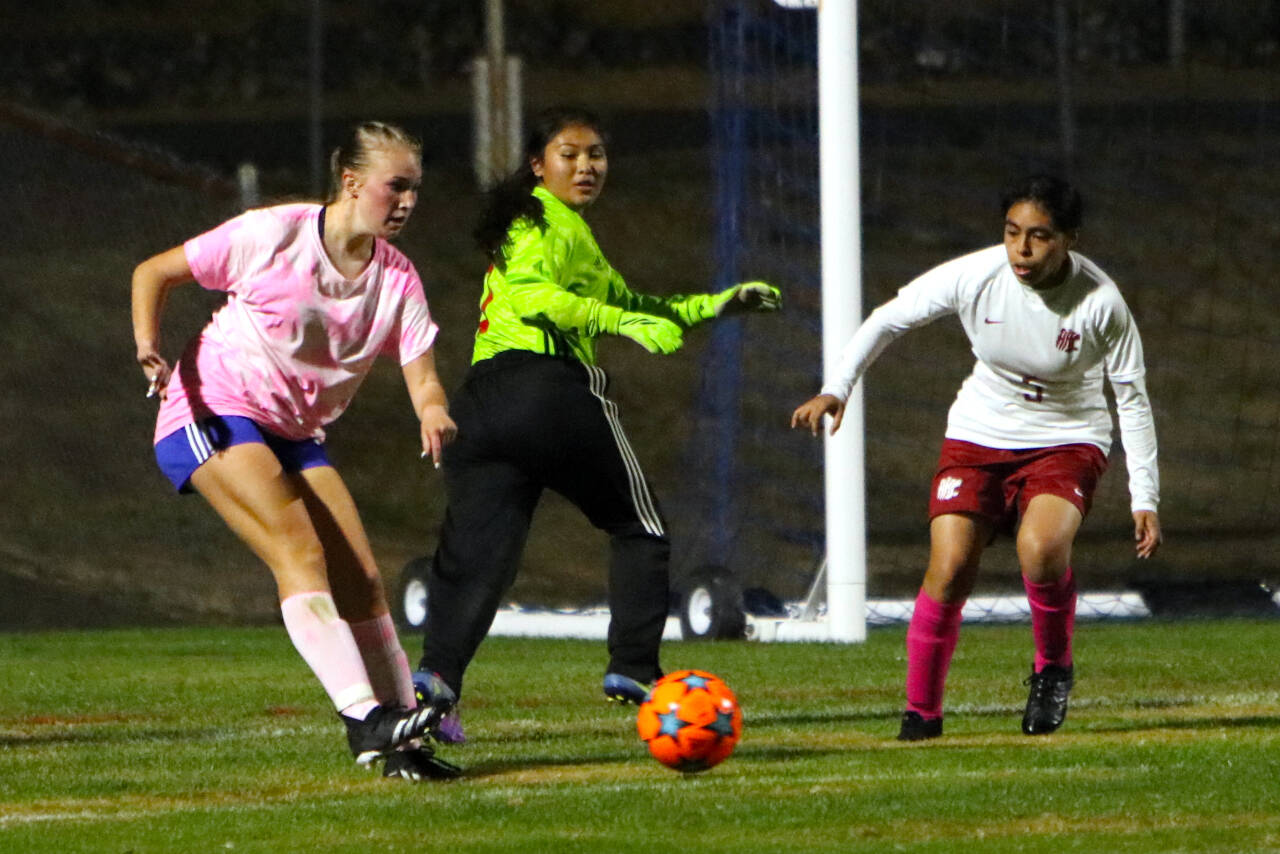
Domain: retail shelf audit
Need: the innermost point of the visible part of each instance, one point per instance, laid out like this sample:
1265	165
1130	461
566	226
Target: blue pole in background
722	377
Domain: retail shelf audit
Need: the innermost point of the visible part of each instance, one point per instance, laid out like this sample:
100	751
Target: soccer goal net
1172	145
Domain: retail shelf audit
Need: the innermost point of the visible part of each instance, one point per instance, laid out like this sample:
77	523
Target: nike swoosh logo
989	320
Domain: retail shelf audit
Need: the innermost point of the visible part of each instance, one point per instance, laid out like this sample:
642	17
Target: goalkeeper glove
748	296
655	334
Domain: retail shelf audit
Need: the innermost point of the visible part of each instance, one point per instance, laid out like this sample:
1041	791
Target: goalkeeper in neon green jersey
551	291
532	413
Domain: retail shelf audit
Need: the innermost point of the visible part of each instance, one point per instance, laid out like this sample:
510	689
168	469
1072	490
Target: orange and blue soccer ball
690	720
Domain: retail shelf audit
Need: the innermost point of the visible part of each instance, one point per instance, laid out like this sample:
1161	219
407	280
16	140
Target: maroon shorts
997	483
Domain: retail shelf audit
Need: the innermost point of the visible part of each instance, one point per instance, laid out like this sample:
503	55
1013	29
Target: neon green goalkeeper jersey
546	293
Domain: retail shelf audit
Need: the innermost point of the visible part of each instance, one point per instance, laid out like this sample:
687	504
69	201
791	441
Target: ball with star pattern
690	721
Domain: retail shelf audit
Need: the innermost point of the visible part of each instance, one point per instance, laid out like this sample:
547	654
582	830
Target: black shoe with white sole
417	764
387	728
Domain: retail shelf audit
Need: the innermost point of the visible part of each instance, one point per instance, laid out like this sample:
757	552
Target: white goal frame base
593	623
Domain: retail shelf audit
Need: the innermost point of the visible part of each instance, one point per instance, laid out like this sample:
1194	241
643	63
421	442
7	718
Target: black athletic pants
528	422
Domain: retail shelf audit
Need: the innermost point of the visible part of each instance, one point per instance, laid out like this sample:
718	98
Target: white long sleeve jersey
1041	359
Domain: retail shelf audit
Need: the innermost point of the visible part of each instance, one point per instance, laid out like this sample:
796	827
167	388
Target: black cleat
417	764
624	689
1047	702
431	690
387	728
916	727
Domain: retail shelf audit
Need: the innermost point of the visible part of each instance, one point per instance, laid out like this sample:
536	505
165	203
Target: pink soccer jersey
295	338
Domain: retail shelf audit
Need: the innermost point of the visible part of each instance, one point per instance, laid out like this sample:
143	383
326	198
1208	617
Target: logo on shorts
1067	340
948	488
1078	492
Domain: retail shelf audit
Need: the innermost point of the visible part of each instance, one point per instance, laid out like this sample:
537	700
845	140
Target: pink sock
385	661
931	639
1053	619
324	640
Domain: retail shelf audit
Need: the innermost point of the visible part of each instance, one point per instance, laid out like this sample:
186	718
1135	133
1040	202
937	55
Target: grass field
219	740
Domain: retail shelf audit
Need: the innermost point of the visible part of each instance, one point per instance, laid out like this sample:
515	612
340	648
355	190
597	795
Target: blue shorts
185	449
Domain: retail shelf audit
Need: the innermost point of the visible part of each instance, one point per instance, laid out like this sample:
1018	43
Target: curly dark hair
1057	196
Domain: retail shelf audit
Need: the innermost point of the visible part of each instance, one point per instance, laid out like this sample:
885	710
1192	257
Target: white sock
385	661
324	641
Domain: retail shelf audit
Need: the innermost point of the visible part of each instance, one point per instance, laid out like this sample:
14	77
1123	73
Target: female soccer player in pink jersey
314	294
1027	436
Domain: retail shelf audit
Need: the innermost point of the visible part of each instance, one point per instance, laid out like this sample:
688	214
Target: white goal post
841	229
841	188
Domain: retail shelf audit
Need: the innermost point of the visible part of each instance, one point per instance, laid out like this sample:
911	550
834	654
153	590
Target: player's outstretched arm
689	311
1146	532
809	414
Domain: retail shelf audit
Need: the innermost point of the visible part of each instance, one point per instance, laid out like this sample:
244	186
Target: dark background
122	128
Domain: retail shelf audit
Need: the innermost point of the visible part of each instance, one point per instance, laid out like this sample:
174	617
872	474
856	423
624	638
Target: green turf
219	740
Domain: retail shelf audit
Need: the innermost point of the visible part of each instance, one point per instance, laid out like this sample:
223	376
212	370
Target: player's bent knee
1043	558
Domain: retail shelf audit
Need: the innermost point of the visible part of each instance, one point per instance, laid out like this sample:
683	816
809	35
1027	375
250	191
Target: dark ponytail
509	200
512	198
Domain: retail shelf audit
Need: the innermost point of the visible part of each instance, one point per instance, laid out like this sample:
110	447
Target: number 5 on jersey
1036	395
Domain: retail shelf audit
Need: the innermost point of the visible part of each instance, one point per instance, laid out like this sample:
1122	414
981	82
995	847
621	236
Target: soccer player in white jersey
314	294
1027	436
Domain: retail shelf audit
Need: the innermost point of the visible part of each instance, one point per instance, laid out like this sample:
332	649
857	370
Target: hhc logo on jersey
948	488
1067	340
